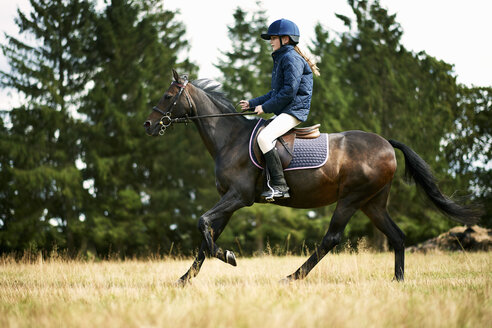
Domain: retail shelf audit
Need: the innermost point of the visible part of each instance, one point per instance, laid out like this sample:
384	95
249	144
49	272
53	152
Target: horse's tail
417	169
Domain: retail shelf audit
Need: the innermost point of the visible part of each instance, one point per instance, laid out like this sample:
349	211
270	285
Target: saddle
285	143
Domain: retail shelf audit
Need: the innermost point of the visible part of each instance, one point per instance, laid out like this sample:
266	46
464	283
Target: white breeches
280	125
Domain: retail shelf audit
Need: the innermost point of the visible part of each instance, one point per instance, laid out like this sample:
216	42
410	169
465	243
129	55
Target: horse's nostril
146	124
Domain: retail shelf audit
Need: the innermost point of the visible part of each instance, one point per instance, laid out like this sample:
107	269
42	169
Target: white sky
456	31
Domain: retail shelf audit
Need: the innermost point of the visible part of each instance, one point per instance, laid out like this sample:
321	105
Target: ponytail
313	66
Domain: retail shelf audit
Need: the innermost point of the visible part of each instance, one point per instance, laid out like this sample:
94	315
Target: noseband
166	120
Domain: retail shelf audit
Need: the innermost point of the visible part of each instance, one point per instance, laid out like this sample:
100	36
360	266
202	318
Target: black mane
213	89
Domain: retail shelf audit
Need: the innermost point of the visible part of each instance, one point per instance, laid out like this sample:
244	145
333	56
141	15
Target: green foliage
136	48
246	69
371	82
78	173
43	186
468	147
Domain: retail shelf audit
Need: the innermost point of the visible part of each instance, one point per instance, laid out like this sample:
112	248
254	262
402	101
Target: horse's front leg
217	227
217	217
195	267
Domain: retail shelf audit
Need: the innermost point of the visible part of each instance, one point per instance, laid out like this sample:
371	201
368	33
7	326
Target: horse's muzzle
151	130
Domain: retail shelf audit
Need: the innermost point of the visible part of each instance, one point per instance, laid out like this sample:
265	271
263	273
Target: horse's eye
168	96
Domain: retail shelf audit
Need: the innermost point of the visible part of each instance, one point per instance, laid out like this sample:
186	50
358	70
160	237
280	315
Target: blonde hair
313	66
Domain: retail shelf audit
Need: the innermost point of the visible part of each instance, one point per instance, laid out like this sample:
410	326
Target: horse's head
172	107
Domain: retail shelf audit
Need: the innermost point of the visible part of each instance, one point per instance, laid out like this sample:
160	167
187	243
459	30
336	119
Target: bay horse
357	175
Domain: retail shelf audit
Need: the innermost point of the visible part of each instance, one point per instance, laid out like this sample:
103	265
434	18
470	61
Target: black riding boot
277	187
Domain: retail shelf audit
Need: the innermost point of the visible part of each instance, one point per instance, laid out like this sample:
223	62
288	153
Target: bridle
167	120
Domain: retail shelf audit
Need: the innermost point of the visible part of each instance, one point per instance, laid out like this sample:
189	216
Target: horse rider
289	99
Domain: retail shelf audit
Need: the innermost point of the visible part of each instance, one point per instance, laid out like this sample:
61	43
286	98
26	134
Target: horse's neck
217	132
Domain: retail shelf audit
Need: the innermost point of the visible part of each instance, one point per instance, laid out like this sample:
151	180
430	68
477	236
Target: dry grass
344	290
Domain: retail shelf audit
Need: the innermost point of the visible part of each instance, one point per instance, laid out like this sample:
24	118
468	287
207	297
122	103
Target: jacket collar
282	50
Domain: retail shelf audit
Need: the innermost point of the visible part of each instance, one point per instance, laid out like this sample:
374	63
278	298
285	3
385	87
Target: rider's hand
259	110
244	104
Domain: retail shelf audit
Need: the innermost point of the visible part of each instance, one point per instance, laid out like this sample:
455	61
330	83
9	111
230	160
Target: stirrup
270	195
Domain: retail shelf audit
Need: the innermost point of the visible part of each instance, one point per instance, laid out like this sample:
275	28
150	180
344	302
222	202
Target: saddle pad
308	153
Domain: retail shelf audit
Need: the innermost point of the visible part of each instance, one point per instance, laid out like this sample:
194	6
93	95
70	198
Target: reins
166	119
247	111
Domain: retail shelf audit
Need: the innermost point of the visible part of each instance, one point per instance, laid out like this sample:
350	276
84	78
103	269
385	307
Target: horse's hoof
181	282
230	258
285	281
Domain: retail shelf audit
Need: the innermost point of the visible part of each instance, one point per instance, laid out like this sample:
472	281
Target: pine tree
42	205
134	179
468	147
331	96
247	68
393	92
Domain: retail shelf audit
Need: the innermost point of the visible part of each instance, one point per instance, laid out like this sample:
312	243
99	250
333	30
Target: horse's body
357	175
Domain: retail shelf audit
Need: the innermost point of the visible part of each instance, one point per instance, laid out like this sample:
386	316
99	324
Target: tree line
78	173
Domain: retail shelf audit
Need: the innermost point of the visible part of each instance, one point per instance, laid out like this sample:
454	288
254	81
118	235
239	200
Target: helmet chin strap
281	43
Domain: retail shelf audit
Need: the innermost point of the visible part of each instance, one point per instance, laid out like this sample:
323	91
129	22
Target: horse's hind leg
339	220
376	210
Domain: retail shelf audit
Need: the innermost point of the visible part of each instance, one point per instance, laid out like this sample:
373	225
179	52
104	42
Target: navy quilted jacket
292	85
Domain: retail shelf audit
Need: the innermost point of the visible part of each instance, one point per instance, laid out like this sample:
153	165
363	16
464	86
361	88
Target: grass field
344	290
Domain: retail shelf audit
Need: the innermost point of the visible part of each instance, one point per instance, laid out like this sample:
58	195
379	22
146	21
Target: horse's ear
175	75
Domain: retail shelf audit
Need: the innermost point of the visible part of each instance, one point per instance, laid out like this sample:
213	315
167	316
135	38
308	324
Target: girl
289	99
